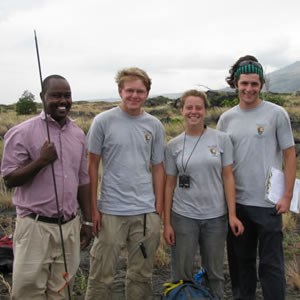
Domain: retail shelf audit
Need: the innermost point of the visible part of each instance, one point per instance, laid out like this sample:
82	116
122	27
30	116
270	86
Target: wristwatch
87	223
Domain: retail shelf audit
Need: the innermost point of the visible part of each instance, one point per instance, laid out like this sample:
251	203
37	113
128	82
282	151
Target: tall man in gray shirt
129	143
261	135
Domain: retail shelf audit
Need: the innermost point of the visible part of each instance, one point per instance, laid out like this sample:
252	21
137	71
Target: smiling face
58	99
133	94
193	112
249	86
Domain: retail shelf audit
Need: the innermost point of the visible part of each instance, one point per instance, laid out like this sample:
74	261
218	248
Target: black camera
184	181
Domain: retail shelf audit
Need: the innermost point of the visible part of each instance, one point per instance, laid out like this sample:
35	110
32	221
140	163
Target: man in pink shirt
38	271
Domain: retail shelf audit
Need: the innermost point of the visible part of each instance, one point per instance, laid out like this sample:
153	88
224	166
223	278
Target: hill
286	79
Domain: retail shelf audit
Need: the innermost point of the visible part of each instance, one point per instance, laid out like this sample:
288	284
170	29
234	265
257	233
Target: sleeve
220	124
157	155
284	130
15	153
95	136
227	155
170	161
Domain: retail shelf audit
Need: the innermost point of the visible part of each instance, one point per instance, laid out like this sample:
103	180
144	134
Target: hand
236	226
96	218
169	235
48	153
283	205
85	236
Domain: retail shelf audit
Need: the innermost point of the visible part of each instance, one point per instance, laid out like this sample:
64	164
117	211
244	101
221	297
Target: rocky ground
160	275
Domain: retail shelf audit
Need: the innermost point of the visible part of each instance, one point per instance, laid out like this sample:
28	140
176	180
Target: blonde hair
131	74
194	93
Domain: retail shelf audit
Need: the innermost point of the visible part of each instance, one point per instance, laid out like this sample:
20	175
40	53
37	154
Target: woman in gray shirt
199	193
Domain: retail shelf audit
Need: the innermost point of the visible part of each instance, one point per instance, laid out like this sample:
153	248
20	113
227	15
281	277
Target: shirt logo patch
148	136
213	150
260	129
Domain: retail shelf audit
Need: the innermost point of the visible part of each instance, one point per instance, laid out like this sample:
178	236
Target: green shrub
230	102
26	104
155	101
274	98
220	99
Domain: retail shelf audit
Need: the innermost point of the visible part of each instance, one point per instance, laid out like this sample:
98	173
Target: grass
5	196
291	242
81	280
162	258
292	271
6	284
172	129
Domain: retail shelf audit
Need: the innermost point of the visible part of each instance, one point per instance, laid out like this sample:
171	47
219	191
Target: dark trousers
263	230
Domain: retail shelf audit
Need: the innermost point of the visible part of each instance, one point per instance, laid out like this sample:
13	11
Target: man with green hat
262	138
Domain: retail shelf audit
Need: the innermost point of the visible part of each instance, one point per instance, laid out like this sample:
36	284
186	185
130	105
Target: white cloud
180	43
12	7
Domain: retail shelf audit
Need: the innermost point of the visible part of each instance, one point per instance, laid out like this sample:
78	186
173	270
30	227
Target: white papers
275	189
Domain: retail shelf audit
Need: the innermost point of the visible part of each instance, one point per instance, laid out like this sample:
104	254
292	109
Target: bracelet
87	223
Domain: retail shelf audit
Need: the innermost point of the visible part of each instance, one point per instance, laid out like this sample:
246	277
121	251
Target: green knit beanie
248	67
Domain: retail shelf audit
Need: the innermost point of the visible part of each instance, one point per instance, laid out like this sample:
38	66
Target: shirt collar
49	118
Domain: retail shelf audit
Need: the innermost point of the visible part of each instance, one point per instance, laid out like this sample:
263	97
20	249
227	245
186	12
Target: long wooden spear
66	275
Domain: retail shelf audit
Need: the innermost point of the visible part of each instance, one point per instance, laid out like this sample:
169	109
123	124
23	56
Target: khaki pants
38	259
116	233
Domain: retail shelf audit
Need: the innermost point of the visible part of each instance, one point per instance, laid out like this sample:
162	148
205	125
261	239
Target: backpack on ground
185	290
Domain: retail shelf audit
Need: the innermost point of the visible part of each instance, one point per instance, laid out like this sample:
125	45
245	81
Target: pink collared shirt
22	144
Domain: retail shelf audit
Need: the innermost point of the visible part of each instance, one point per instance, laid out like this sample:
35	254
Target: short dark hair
46	81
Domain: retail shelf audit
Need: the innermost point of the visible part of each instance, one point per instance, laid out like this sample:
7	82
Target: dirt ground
160	275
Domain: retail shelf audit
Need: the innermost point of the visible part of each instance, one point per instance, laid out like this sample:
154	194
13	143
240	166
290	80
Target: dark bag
185	290
6	254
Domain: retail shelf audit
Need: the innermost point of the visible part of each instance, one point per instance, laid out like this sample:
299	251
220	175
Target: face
58	99
133	95
194	111
249	87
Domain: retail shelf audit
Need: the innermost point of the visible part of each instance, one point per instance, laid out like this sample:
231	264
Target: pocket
153	223
23	228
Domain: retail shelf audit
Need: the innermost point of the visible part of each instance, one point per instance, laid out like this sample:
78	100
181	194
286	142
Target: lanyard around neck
184	167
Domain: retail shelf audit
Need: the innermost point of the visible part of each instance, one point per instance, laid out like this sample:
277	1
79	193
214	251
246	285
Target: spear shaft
52	167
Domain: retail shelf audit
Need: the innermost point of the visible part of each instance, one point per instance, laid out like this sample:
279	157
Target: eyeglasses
138	91
250	62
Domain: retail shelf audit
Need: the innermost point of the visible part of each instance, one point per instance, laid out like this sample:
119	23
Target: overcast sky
180	43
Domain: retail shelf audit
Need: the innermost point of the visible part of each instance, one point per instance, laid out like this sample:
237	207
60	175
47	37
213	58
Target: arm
289	171
169	192
94	162
236	226
26	173
83	197
158	174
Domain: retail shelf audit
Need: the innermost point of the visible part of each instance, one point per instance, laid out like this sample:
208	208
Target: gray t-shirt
258	135
128	145
205	198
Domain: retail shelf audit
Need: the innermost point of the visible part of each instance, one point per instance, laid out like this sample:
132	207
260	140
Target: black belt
50	220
